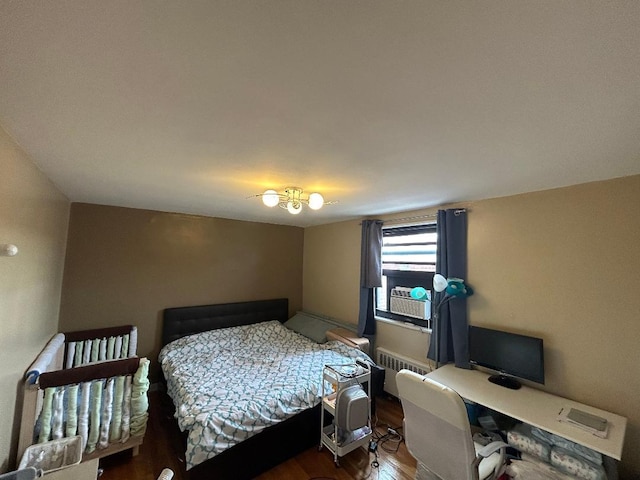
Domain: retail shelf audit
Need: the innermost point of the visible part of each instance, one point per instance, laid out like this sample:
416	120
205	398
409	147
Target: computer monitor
509	354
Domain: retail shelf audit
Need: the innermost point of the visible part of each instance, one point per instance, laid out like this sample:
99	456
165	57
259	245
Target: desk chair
438	434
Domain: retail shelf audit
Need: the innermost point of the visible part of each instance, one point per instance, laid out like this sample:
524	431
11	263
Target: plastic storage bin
28	473
53	455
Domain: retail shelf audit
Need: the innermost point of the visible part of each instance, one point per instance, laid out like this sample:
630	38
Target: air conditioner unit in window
403	303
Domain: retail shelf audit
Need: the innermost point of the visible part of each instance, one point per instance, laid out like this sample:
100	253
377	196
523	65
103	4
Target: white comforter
230	384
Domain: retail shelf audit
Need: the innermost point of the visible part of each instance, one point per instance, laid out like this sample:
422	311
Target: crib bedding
230	384
101	411
90	384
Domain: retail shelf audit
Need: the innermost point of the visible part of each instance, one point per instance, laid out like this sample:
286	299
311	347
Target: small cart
346	400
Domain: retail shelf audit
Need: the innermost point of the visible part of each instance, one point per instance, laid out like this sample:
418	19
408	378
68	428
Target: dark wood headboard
179	322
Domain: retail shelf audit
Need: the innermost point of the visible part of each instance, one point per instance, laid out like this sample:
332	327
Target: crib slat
106	414
70	354
94	415
83	413
71	427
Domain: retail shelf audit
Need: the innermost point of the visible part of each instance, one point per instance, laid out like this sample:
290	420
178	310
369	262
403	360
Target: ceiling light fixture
292	199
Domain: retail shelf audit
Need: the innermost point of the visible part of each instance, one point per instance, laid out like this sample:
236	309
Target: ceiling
383	106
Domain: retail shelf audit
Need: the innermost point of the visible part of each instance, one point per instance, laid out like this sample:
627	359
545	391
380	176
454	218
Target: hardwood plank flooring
161	449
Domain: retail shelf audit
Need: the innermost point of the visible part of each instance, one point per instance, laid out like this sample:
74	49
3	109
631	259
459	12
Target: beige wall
562	264
327	249
34	216
126	265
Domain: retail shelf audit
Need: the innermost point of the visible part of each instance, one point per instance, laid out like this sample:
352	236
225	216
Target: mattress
230	384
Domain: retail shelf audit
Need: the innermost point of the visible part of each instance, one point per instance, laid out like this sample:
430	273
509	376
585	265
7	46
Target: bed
285	425
88	384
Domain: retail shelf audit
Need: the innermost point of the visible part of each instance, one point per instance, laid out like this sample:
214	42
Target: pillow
520	437
577	466
311	327
575	449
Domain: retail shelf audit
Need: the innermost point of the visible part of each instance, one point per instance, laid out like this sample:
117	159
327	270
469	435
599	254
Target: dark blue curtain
451	261
370	276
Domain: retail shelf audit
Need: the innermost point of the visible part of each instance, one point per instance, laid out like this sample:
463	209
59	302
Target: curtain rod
415	217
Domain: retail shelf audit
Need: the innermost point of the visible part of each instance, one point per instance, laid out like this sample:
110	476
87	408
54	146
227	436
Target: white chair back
436	427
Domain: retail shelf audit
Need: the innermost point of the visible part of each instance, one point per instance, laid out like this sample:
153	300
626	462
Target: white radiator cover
393	362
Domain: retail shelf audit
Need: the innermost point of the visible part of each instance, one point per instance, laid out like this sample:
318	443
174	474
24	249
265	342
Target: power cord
373	448
379	440
392	436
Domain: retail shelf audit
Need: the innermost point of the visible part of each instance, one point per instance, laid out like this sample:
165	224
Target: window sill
407	325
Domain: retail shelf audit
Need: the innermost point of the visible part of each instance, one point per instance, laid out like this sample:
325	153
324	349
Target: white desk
534	407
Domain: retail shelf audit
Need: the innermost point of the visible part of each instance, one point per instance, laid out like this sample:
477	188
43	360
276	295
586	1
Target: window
408	261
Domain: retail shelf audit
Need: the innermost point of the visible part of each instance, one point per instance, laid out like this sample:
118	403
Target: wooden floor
159	451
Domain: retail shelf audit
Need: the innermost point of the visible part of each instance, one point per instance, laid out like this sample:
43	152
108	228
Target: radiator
394	362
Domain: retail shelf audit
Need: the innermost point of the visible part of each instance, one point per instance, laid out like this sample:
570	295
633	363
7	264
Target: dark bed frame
273	445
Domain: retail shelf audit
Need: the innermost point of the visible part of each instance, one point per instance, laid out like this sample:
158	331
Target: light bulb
270	198
294	208
316	201
439	283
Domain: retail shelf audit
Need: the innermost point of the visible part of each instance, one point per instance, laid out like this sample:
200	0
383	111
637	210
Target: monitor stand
505	381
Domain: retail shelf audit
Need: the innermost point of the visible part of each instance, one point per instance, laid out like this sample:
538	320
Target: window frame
408	278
